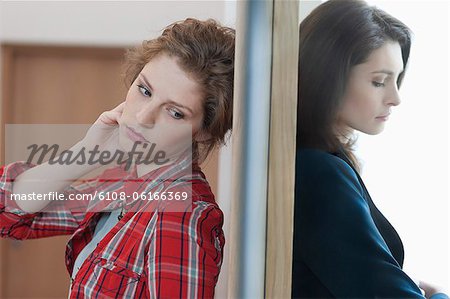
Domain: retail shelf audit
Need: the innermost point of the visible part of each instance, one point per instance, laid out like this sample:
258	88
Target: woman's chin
375	130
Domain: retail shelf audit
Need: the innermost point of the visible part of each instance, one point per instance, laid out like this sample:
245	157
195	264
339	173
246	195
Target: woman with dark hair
352	61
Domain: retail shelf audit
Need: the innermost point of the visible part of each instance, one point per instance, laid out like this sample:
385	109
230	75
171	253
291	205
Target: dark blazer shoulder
313	165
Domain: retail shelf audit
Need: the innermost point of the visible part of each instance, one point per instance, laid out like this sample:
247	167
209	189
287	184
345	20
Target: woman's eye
144	91
377	84
175	114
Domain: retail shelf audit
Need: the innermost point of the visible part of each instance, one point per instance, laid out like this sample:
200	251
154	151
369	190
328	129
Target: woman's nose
146	116
394	97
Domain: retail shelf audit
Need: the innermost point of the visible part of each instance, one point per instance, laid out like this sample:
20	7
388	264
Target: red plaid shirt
156	254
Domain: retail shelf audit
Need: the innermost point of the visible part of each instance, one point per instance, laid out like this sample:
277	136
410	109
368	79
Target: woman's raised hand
103	135
111	117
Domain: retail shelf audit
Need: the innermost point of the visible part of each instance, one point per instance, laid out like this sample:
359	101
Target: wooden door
55	85
52	85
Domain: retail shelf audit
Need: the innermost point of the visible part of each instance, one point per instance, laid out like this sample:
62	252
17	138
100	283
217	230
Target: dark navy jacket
343	246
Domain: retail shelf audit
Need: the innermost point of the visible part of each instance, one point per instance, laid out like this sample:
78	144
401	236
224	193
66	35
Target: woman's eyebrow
146	81
169	100
387	72
180	106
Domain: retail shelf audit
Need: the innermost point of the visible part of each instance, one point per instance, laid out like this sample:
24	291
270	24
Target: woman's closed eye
377	84
144	90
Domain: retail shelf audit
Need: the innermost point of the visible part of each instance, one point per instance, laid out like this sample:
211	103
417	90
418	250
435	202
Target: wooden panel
57	85
281	172
280	209
6	82
52	85
6	58
210	167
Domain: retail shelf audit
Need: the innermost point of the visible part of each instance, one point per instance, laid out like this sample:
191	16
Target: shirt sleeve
340	242
185	259
17	224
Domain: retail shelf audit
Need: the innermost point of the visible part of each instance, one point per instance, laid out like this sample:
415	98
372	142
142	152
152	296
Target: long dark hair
335	37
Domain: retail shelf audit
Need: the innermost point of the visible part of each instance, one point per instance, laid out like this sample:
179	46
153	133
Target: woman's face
372	91
163	107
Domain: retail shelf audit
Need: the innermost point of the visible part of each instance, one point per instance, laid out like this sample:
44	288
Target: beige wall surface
115	23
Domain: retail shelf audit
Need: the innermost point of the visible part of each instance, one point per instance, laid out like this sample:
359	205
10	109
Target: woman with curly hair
179	103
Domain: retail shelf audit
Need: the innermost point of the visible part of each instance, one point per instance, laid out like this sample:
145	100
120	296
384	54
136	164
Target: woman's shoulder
327	184
312	161
320	170
195	186
197	204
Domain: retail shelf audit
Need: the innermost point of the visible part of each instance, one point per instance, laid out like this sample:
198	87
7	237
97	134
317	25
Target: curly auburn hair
204	50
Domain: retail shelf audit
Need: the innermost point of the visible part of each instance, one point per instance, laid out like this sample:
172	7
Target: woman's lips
135	136
383	117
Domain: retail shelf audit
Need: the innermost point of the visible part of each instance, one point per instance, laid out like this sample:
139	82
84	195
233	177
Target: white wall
306	6
106	23
406	167
224	191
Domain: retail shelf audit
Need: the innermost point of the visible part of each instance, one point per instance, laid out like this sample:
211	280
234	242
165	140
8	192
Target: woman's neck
142	168
344	133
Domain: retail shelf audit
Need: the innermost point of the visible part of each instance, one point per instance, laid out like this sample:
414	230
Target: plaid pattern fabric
151	252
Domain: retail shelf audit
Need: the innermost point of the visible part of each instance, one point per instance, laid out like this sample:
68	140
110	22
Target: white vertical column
250	148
